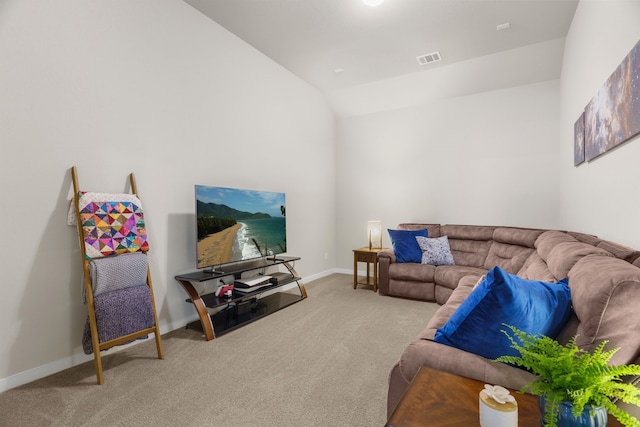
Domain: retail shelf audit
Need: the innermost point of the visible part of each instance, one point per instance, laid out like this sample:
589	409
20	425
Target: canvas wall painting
578	141
613	115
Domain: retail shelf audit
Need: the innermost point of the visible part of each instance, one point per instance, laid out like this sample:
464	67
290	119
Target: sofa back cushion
620	251
511	247
617	250
510	258
564	256
549	240
517	236
469	243
561	251
433	230
535	268
586	238
605	292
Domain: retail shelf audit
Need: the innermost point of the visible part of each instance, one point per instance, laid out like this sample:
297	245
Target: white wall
487	159
151	87
603	196
500	157
516	67
190	103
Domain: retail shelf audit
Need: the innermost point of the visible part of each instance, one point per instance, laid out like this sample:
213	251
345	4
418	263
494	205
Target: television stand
242	307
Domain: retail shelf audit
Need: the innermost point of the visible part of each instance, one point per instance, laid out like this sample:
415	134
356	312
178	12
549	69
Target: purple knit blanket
119	313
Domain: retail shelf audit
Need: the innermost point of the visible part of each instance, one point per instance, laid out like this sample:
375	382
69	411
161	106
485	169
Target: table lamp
374	232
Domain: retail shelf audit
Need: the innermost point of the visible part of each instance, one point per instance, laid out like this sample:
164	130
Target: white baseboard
54	367
51	368
346	271
324	274
42	371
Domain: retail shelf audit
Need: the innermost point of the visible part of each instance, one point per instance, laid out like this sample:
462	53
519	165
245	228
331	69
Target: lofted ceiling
338	44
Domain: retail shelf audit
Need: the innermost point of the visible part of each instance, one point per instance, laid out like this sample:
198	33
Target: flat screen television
234	225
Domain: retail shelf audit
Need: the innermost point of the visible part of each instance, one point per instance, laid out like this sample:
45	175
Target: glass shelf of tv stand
212	301
237	269
242	307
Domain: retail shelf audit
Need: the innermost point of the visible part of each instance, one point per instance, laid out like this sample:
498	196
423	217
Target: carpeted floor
321	362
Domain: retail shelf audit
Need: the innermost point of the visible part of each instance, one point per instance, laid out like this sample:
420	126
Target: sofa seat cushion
414	272
502	298
605	292
449	276
442	315
442	294
424	291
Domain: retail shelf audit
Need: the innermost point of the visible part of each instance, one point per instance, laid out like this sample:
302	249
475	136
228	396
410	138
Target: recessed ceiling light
372	3
504	26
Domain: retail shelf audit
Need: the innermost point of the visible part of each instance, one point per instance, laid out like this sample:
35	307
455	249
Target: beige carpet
321	362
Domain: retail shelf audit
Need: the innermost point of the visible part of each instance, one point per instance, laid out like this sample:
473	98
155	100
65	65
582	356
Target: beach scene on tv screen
236	224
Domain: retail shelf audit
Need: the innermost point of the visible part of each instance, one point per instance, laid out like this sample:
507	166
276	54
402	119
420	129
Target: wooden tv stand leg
205	319
293	271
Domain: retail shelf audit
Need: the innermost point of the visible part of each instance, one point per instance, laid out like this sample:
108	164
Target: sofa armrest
386	257
387	253
455	361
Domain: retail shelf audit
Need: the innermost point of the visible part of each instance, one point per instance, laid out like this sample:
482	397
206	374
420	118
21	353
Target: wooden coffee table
440	399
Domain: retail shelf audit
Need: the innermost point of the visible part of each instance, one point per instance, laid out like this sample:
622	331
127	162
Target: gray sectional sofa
604	279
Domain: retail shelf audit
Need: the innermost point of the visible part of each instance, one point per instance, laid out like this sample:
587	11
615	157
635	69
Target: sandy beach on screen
216	248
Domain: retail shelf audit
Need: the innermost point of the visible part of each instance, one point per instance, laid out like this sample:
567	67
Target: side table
370	256
440	399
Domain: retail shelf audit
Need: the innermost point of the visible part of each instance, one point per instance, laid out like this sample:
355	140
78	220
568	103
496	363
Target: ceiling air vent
429	58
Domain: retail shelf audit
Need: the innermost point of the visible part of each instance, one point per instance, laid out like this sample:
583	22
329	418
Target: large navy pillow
405	246
502	298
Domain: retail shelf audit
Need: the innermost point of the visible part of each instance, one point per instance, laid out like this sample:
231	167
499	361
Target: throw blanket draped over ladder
122	299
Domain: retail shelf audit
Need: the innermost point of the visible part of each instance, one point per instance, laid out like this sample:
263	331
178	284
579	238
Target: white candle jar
497	411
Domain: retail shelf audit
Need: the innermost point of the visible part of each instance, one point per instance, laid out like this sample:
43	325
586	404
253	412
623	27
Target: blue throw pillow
405	246
538	308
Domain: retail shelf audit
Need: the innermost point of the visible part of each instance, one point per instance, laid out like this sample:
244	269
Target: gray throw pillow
435	250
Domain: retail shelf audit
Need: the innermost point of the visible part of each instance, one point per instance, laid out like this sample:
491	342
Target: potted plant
568	375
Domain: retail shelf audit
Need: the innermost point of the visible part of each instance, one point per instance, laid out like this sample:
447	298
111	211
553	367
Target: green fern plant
566	373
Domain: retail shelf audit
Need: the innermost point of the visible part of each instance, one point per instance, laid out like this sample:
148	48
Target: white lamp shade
374	233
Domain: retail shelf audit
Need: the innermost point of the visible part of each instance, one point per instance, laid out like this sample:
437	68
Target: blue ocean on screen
269	233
